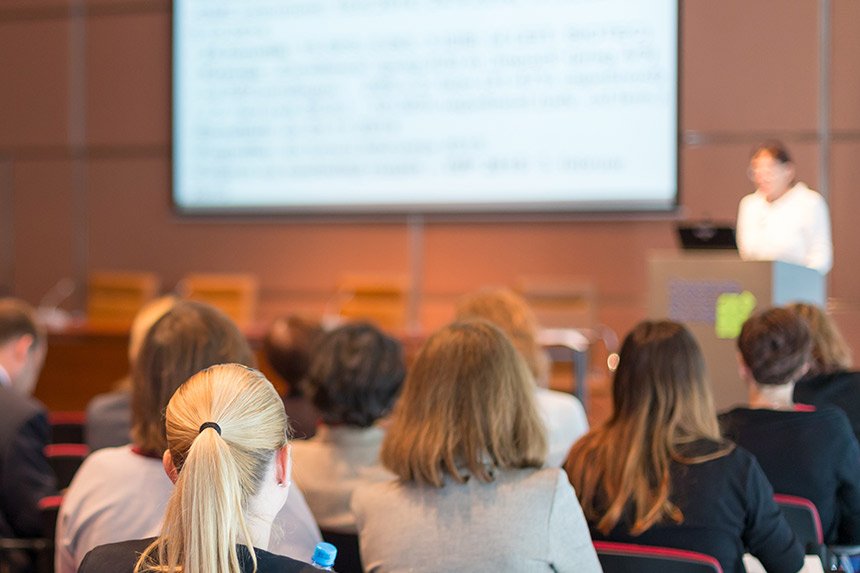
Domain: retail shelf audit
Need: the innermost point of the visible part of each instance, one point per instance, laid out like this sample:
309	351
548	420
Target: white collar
4	378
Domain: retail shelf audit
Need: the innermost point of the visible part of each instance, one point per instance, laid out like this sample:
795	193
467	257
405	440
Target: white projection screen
425	106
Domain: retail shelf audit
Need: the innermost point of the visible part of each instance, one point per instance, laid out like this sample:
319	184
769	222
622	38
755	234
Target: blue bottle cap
324	554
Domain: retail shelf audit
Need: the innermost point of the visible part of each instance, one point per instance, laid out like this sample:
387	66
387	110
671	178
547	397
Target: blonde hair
143	321
830	352
661	401
467	407
217	474
511	313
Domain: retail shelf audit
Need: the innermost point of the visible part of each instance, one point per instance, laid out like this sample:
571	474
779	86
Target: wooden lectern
712	294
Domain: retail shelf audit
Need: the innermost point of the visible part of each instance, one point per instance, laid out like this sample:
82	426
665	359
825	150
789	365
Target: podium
712	294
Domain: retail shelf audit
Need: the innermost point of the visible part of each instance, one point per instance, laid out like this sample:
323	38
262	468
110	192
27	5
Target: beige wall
84	165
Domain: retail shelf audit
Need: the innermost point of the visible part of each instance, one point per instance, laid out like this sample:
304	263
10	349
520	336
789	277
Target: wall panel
749	66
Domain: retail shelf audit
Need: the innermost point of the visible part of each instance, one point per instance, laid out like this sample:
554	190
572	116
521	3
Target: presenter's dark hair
776	345
355	375
774	148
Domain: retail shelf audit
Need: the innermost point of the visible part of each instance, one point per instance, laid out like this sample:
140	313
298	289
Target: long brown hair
467	407
512	314
188	338
830	352
661	401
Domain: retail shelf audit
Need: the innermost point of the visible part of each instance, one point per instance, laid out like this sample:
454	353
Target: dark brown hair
775	149
355	375
189	338
18	319
776	346
288	346
661	401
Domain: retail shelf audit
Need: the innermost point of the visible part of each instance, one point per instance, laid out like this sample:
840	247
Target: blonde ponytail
217	472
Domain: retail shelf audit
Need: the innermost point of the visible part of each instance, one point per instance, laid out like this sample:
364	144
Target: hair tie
212	425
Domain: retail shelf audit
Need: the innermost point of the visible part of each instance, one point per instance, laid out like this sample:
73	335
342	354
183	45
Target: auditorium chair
114	297
67	427
36	552
348	558
65	459
631	558
803	517
234	294
380	299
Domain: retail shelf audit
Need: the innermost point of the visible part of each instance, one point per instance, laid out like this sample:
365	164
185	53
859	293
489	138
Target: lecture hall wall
84	166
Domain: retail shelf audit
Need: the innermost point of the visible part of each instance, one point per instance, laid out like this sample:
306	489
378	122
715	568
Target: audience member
288	345
354	378
229	458
467	444
658	473
109	414
830	380
824	461
25	476
562	414
121	493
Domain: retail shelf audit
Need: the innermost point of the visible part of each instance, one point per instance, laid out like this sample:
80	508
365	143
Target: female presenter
783	220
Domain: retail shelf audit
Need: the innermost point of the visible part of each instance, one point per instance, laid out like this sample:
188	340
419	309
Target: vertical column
77	144
7	228
415	225
824	41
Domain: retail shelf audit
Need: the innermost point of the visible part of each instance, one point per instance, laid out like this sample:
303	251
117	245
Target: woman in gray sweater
467	445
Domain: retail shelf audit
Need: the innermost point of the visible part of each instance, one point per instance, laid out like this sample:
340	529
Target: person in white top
562	414
121	493
783	220
353	380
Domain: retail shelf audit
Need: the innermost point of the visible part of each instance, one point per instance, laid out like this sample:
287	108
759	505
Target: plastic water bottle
324	556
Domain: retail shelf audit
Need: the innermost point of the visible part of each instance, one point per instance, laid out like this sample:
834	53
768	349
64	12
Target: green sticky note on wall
731	313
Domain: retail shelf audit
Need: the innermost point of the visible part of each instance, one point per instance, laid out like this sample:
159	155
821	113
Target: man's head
22	344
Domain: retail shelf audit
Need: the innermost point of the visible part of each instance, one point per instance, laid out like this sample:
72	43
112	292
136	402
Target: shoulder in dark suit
25	476
121	557
840	389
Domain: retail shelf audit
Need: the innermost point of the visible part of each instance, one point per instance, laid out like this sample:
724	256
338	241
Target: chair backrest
65	459
49	507
114	298
33	554
802	516
233	294
631	558
560	302
67	427
348	559
381	299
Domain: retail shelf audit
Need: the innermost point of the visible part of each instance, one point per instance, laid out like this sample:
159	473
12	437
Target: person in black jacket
658	472
229	458
805	451
831	379
25	475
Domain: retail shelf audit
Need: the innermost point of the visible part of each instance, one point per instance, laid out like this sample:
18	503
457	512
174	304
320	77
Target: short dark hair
288	345
775	149
190	337
355	375
776	346
17	319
